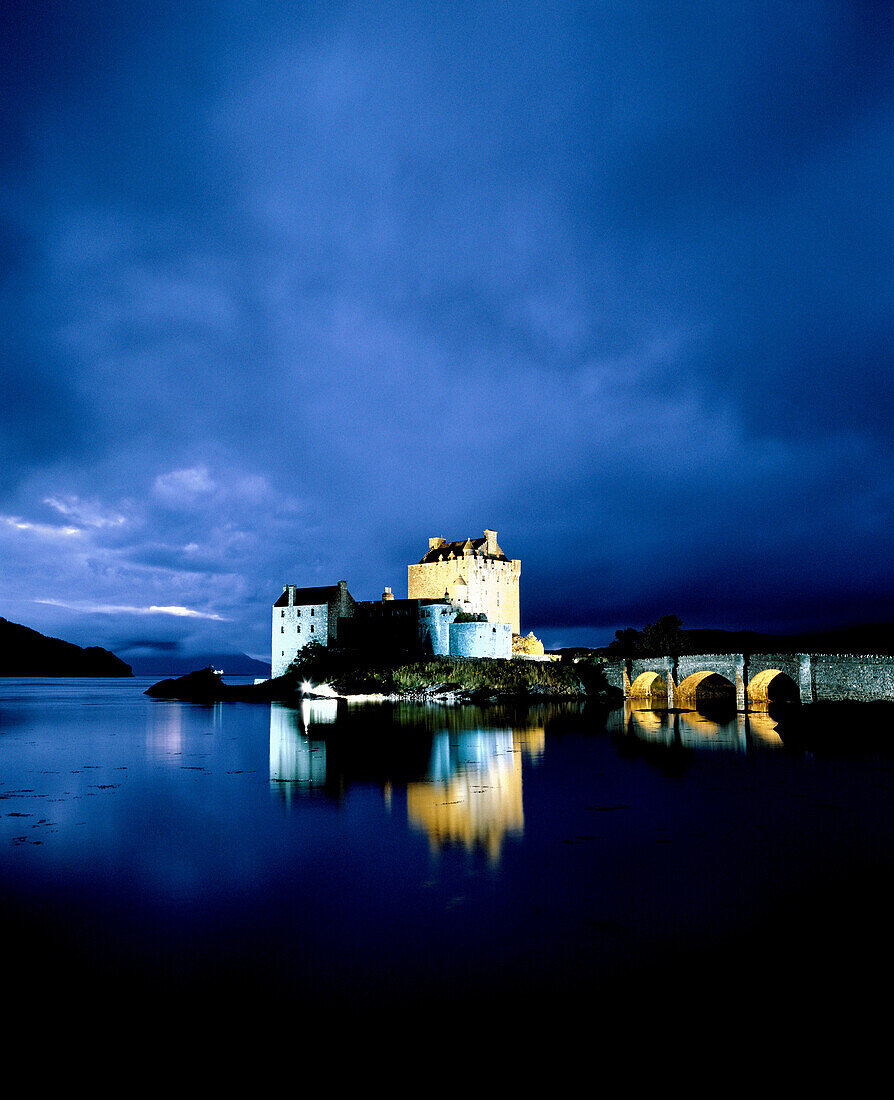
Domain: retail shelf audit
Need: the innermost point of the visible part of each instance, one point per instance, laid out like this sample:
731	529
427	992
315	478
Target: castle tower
475	571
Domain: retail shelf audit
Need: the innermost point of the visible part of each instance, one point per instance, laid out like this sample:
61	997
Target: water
484	864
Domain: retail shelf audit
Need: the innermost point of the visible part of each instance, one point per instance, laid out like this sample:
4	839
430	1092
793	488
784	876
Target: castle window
312	611
299	629
282	630
311	630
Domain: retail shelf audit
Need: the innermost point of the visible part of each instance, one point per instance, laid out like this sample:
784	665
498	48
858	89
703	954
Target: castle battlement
473	571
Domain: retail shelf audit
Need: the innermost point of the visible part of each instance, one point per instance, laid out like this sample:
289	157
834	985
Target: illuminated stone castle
475	573
462	602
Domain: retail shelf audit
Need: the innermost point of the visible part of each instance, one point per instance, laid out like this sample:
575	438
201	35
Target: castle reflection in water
472	795
297	761
469	794
464	786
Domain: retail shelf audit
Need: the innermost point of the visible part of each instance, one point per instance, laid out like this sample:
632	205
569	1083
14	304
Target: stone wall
858	678
293	628
488	585
480	640
434	628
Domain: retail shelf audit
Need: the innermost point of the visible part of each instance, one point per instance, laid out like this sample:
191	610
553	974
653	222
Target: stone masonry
808	677
303	615
474	572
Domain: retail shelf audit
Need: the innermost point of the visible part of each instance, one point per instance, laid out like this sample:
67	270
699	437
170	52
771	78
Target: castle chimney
387	595
292	588
433	544
491	540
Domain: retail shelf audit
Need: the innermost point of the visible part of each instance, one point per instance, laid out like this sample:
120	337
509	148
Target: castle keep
475	573
462	601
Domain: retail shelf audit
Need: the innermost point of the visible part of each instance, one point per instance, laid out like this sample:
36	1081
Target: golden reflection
532	742
641	721
648	720
762	727
697	729
297	764
473	796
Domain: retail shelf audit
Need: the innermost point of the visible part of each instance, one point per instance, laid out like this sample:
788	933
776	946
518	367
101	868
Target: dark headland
24	652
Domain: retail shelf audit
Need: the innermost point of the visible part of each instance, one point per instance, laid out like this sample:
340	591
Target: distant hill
871	638
24	652
233	664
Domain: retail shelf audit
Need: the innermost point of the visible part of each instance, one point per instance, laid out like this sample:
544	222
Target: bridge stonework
823	677
854	677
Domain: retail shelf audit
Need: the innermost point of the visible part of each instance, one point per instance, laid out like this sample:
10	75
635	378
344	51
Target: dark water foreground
481	886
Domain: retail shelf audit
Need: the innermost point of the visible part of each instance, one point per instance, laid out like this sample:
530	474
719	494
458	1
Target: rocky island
347	674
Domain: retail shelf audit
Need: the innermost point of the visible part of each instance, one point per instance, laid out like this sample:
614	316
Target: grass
353	673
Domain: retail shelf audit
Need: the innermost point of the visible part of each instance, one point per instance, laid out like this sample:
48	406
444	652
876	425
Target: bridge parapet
816	677
852	677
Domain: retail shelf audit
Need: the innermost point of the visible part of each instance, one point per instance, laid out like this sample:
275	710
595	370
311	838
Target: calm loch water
378	856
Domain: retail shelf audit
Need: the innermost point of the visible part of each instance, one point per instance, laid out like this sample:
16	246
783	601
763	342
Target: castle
462	601
475	573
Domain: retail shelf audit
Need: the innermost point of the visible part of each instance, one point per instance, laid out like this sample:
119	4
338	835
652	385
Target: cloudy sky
287	288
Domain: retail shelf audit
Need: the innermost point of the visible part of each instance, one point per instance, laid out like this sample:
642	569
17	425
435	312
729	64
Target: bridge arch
705	687
772	685
649	687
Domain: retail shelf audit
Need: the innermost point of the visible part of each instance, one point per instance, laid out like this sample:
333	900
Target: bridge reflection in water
722	728
469	795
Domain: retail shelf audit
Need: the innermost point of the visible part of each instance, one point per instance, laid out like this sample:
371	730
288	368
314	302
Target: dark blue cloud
289	288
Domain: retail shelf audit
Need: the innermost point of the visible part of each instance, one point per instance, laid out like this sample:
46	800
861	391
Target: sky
288	288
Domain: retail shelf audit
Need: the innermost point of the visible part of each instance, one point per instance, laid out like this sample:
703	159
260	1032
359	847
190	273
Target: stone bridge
753	678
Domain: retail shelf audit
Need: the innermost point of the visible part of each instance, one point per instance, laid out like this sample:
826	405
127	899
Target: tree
664	637
309	658
627	642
